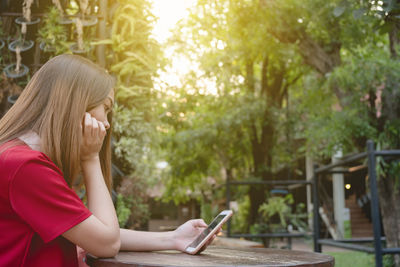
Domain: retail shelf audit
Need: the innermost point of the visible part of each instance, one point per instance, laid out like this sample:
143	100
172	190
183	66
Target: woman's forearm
98	196
146	241
99	233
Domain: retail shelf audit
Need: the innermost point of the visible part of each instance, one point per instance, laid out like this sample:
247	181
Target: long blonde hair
53	105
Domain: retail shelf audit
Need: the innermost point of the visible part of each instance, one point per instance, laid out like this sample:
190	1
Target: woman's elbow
114	249
108	250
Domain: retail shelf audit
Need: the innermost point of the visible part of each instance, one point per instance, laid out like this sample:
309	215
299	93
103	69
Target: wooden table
217	256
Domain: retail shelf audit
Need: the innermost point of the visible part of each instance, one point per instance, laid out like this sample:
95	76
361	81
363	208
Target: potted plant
28	23
87	20
17	71
25	50
52	35
63	19
80	47
83	26
277	216
11	99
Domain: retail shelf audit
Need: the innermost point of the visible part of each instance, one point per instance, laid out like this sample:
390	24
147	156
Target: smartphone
212	228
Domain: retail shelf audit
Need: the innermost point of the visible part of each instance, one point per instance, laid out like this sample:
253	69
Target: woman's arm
145	241
98	234
149	241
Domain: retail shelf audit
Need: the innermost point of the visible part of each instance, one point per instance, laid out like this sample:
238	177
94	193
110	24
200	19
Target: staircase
360	225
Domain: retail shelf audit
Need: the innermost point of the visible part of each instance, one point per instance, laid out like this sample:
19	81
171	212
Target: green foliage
282	207
240	219
133	139
1	29
359	259
132	211
199	134
367	81
208	211
53	34
135	56
208	133
134	59
279	206
337	67
353	258
123	211
388	261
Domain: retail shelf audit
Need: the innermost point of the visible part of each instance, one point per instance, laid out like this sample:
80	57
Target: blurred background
215	97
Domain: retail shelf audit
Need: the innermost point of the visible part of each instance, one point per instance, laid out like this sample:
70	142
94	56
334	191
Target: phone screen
204	234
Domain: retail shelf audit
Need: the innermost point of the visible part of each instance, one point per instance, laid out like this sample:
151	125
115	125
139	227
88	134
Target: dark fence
377	239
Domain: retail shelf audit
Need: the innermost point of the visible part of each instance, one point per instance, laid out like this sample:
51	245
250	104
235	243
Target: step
358	213
362	225
362	233
359	219
361	230
364	230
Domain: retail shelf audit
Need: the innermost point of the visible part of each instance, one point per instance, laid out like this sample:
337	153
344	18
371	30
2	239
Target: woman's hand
93	133
187	233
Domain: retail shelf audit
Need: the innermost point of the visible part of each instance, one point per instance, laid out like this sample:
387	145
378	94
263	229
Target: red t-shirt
36	207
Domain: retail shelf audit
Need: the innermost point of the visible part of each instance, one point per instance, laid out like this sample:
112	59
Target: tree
253	51
368	72
252	73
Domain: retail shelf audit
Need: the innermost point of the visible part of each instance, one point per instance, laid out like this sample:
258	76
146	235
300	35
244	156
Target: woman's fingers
87	123
94	127
98	130
102	129
199	223
94	132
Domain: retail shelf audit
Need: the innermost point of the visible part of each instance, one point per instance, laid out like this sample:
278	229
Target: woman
58	128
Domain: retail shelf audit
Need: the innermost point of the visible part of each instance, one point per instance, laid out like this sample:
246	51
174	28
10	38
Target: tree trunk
389	191
256	193
262	159
262	144
390	211
393	34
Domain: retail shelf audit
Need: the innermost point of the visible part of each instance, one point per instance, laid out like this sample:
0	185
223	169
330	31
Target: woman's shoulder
18	150
14	154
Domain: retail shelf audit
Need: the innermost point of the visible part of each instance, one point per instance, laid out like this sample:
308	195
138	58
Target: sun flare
169	13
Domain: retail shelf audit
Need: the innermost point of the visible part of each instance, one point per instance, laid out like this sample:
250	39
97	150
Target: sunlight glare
169	13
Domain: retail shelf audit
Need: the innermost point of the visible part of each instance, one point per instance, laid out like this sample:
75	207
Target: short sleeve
41	197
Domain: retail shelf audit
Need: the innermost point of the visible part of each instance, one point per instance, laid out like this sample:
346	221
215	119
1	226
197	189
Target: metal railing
371	155
230	183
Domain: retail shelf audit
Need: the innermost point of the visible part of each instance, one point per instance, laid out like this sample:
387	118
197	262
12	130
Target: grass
352	259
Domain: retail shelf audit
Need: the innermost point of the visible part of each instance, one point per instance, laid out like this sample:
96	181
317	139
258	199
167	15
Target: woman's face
100	112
